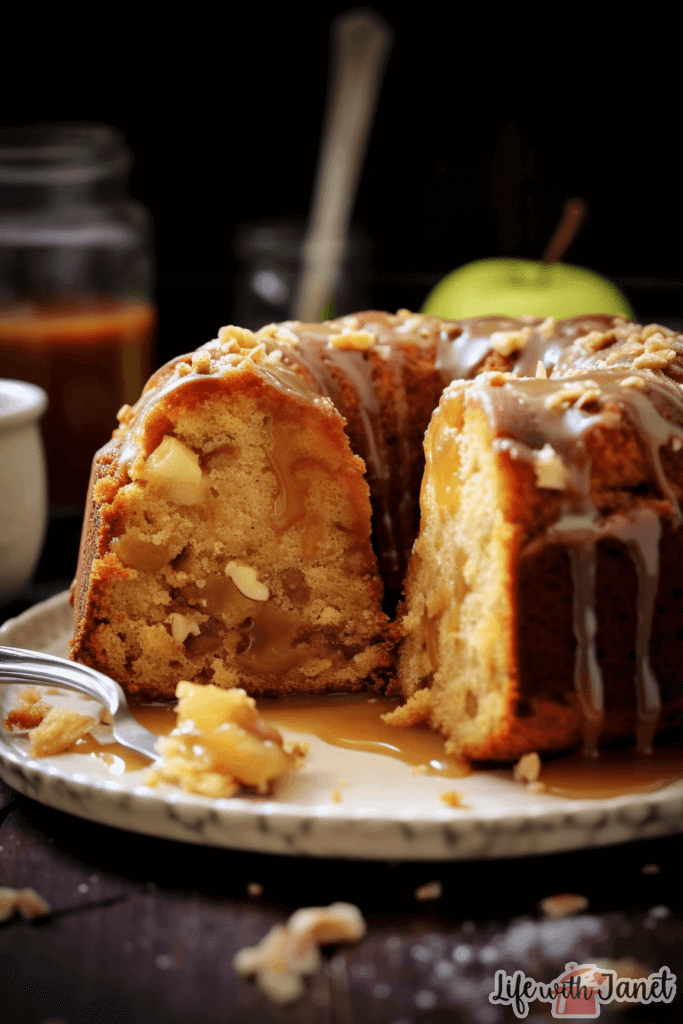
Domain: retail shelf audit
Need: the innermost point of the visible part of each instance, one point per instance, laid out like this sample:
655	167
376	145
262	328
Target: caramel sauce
614	773
353	721
342	720
116	758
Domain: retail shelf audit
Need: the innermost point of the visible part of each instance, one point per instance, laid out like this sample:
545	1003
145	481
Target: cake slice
228	536
543	599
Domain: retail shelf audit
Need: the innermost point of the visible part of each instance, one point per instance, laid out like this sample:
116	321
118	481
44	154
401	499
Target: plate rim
328	831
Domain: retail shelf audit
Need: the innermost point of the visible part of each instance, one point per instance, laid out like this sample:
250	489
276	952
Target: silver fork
17	665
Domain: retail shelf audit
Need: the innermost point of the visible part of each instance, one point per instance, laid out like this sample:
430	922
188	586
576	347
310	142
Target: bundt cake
231	536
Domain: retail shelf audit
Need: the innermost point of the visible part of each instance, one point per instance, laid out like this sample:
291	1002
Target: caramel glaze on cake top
385	373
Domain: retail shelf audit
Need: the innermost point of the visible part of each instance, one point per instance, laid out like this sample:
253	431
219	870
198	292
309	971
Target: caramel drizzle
518	408
465	344
331	368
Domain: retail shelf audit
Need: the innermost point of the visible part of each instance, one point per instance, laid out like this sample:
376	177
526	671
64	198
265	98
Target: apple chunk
174	468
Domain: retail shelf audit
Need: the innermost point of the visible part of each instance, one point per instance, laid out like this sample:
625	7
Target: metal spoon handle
18	665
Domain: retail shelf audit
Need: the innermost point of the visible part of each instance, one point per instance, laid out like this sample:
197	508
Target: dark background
487	122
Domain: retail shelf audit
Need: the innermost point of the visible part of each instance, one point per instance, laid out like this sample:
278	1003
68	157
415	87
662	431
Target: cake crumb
429	891
452	798
358	341
528	768
255	889
28	713
26	902
58	730
289	952
337	793
550	470
563	904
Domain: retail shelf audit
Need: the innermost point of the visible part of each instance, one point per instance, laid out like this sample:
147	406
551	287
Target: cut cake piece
228	538
543	599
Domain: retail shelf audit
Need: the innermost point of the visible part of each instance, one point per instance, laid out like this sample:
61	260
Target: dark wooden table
144	930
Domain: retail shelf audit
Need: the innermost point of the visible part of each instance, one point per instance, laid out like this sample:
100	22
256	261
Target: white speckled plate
386	812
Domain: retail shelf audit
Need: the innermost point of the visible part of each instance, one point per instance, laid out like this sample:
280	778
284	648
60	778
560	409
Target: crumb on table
26	902
289	952
563	904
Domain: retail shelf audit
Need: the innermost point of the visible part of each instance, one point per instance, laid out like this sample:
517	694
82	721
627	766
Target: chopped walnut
496	378
58	730
596	340
124	414
528	768
182	626
589	395
632	382
654	360
429	891
353	341
245	579
244	337
201	361
541	371
572	392
652	330
289	952
255	355
26	902
547	328
630	348
507	342
550	470
563	904
183	369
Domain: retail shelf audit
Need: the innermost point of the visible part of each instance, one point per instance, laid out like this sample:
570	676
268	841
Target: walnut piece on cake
221	744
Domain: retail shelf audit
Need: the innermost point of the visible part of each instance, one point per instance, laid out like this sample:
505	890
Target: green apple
511	287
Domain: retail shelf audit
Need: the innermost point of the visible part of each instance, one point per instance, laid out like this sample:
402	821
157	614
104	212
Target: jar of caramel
76	282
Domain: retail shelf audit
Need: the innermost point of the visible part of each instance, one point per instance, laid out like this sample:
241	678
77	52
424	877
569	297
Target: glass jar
270	257
76	283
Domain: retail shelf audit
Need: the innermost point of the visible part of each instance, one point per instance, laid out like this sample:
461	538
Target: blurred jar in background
270	254
76	280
